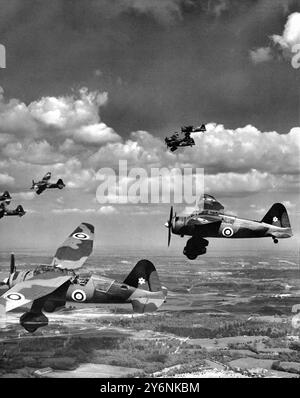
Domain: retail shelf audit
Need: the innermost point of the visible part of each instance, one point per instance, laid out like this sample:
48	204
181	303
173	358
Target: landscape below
228	316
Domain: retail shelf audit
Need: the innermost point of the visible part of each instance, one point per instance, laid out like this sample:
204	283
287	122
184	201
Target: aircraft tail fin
60	183
277	216
5	196
144	275
20	211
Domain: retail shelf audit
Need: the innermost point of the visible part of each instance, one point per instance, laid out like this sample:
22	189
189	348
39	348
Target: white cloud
291	32
73	211
284	42
24	195
6	181
262	54
70	140
107	210
56	119
288	204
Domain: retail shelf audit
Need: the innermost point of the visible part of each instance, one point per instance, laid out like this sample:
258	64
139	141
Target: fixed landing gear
275	240
195	247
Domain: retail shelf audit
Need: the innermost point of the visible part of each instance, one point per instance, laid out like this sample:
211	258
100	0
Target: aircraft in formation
209	220
5	200
175	141
44	183
48	287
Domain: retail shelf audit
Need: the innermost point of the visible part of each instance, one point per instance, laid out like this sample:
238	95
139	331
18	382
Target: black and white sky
90	82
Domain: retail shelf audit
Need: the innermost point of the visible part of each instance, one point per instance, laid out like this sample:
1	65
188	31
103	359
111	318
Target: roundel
227	232
81	236
15	296
78	295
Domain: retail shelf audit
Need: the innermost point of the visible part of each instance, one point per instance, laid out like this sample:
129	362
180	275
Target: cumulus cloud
56	119
24	195
107	210
73	211
284	43
291	33
262	54
240	161
6	181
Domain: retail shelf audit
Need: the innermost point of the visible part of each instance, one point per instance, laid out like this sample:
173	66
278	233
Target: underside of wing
73	253
32	289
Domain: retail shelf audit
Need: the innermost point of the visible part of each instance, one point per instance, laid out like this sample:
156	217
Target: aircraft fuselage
93	289
226	226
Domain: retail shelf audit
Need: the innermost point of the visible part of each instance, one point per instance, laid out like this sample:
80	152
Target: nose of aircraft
174	224
169	225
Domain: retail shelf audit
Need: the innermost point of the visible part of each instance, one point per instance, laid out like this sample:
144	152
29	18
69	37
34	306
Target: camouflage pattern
40	186
32	289
48	287
209	221
73	253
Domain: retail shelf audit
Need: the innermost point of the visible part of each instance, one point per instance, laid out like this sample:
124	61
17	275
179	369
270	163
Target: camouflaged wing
32	289
47	176
75	250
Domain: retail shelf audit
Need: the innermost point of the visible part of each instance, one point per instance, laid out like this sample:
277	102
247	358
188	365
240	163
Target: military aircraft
40	186
5	200
48	287
209	220
175	141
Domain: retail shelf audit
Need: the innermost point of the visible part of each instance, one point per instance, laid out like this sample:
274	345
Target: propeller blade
12	264
170	226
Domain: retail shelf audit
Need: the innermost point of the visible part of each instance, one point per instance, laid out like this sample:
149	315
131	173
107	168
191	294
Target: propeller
12	269
168	224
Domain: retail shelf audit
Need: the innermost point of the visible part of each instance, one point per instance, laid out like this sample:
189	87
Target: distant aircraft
5	200
210	221
48	287
175	141
40	186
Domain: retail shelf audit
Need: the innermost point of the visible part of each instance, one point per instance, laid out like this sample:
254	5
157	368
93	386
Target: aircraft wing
47	176
32	289
41	188
76	249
